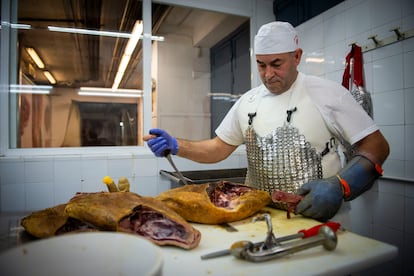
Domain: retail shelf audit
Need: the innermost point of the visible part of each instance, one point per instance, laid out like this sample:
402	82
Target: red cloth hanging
356	55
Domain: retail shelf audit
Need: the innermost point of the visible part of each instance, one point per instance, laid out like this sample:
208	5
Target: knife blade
167	155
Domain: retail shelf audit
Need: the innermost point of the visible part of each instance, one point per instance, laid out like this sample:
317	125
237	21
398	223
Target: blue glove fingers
158	145
317	210
305	188
306	202
303	205
153	141
157	131
170	141
159	149
323	198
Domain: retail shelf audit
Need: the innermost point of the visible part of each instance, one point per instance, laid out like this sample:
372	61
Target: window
64	56
75	63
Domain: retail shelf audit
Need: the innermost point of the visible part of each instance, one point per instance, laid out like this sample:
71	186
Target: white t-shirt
325	109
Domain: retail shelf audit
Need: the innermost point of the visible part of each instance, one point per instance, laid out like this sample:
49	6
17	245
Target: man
292	125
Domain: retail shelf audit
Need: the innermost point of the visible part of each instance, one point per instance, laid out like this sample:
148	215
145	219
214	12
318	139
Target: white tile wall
409	106
383	11
387	72
34	183
408	69
385	211
387	107
361	17
67	179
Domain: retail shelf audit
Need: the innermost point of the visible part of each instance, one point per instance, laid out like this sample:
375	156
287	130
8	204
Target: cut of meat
117	211
226	195
285	201
132	213
215	202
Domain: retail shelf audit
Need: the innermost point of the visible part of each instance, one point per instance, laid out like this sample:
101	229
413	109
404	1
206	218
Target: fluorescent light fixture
218	95
49	77
33	54
133	37
16	25
21	26
88	32
129	49
99	33
108	92
30	89
157	38
133	40
315	59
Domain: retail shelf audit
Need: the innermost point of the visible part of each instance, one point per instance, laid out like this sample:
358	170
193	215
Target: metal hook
399	34
270	240
374	38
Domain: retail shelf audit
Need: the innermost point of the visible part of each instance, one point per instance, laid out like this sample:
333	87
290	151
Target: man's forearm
205	151
374	147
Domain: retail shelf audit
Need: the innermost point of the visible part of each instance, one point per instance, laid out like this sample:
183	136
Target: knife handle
314	230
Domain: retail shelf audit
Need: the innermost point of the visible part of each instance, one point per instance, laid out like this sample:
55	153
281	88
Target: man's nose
269	72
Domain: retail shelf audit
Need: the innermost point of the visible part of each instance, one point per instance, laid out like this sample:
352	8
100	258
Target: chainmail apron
282	160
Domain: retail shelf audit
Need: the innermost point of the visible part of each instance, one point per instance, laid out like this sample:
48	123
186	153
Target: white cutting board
353	252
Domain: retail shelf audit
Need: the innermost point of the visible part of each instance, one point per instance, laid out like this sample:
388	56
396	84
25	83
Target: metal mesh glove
358	176
162	143
322	198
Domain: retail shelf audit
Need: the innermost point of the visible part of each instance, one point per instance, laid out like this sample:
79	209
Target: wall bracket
396	37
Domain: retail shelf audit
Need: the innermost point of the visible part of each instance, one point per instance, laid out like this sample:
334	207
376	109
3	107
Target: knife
167	155
305	233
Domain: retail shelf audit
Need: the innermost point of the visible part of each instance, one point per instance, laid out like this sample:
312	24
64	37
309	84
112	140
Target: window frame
8	138
257	12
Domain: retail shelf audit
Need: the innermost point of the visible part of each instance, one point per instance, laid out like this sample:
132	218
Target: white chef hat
275	38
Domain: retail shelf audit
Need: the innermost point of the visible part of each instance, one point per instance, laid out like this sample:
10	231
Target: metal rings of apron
282	160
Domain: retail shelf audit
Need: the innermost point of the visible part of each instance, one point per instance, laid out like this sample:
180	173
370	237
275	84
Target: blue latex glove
163	143
323	198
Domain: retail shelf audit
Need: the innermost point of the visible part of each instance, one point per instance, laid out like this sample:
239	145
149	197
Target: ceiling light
88	32
35	57
20	26
157	38
129	49
30	89
314	59
99	33
49	77
108	92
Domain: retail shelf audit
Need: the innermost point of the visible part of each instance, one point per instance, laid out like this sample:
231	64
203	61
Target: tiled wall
385	212
33	183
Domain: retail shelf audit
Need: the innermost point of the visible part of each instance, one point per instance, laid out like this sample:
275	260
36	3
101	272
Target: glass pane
182	72
81	44
78	75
